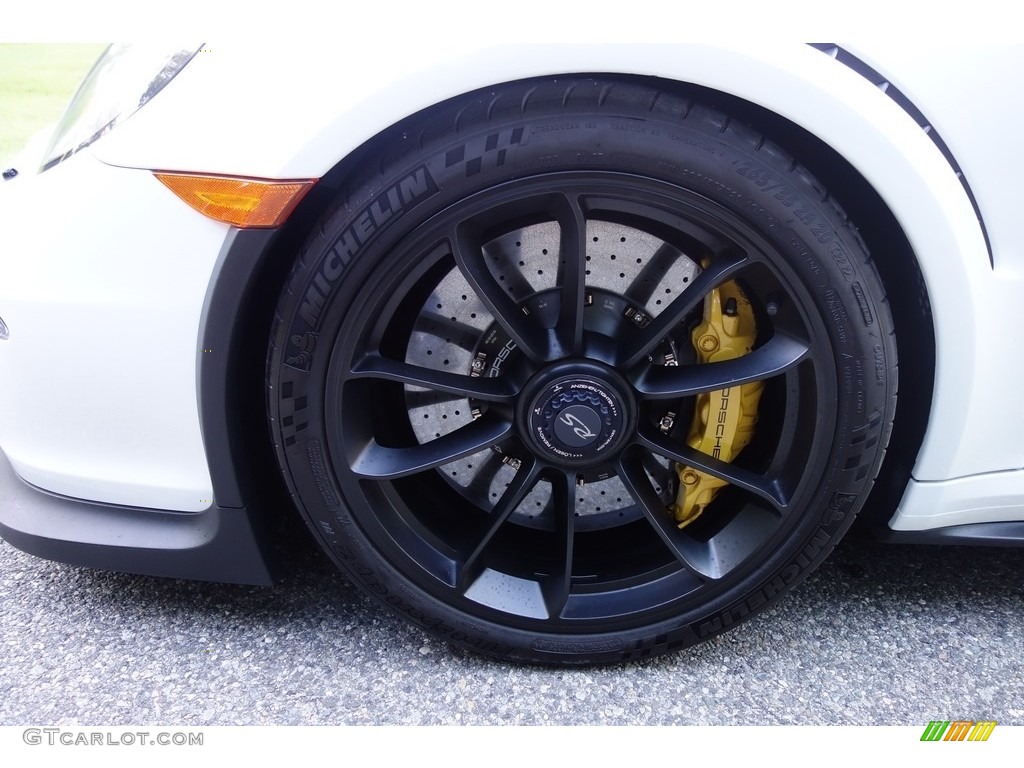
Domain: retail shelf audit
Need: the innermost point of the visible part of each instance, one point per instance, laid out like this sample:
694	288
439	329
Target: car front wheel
578	371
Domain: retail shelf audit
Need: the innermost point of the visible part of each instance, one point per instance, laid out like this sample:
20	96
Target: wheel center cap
577	420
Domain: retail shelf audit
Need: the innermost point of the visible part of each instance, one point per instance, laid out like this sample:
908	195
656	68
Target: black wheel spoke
488	465
658	265
768	489
692	554
721	269
558	584
492	390
383	462
571	275
532	340
459	334
512	278
777	356
522	483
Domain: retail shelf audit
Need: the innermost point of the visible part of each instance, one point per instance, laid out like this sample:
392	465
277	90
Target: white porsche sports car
567	353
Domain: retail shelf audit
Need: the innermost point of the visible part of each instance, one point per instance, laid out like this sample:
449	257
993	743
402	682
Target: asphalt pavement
880	635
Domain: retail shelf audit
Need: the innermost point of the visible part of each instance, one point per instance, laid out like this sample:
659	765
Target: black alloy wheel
486	380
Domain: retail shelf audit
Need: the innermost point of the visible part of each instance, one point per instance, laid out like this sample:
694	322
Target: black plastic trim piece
231	373
221	372
1003	534
216	544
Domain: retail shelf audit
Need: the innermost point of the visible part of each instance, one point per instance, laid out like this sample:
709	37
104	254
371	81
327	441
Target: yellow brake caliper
723	421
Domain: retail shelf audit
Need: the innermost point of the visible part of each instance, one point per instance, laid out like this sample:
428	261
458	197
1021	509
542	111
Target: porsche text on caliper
723	420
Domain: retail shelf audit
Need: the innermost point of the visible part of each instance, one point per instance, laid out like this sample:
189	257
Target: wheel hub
576	417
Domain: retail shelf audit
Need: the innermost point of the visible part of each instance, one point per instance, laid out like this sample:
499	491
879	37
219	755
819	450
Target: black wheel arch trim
230	377
221	363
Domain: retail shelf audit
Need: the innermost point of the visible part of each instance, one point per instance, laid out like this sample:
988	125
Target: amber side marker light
245	203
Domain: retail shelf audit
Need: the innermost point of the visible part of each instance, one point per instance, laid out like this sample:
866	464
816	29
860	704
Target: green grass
36	84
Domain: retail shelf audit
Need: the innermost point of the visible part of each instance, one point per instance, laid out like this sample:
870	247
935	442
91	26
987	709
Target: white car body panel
989	498
103	403
295	114
973	119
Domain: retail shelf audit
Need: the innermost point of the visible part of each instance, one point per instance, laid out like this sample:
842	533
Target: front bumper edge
214	545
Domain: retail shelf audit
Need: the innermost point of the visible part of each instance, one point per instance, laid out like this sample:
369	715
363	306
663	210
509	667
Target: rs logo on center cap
579	427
